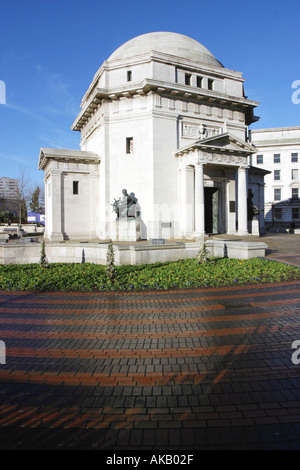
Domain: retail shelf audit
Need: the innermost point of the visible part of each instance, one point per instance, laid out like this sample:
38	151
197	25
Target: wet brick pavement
175	370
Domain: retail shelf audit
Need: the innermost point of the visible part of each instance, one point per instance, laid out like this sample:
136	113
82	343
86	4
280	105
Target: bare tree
23	194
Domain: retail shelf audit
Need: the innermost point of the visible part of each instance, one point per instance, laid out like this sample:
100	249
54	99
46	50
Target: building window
277	213
129	75
295	193
199	82
295	213
277	194
75	187
210	84
294	157
187	78
129	145
276	157
259	159
295	174
276	174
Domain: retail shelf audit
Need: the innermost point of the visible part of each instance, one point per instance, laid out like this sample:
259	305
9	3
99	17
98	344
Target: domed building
164	148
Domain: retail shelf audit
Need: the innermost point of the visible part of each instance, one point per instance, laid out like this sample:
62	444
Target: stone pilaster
186	193
55	210
242	201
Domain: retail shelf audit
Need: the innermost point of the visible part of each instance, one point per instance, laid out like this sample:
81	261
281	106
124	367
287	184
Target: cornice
176	90
275	129
274	143
78	156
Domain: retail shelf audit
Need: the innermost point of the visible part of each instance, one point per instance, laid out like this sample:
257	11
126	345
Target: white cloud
13	158
59	138
59	92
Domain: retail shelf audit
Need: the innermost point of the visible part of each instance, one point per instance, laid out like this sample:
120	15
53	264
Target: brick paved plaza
187	369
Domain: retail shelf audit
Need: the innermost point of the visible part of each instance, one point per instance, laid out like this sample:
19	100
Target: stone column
186	199
56	209
199	199
46	196
183	200
242	201
231	206
261	200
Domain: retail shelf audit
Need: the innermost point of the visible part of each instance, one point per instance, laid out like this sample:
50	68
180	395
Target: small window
210	84
75	187
294	157
277	213
277	194
187	78
276	157
259	159
295	213
295	174
276	174
129	145
199	82
295	193
129	75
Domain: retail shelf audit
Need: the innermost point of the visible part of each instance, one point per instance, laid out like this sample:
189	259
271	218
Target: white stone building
165	120
278	150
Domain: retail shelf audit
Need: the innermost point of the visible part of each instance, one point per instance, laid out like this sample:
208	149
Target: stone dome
169	43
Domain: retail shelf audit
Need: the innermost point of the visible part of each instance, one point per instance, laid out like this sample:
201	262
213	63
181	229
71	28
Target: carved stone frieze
199	131
195	157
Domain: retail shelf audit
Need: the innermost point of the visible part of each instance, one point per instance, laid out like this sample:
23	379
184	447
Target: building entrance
211	199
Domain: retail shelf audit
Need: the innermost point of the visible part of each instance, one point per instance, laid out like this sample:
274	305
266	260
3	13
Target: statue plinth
127	226
253	226
126	229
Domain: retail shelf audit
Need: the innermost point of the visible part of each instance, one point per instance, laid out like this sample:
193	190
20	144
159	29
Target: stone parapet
131	253
236	249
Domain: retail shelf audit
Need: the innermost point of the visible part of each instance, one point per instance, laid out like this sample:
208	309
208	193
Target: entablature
48	155
199	95
197	157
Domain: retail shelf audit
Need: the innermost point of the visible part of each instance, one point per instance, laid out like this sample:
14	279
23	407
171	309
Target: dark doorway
211	210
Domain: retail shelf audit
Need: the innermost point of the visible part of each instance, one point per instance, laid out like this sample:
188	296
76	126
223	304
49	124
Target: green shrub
203	254
180	274
110	262
43	259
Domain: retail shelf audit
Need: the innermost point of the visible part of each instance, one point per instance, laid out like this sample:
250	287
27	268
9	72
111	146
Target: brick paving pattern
186	369
193	369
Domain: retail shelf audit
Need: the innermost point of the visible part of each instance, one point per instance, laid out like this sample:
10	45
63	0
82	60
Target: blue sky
51	49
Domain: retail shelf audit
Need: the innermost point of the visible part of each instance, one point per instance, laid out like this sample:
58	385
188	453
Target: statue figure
252	209
203	131
125	202
124	207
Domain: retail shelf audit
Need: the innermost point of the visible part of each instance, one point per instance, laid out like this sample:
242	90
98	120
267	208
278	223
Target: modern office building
278	150
9	194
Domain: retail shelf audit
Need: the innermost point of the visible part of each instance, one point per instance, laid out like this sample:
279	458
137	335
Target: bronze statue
124	207
252	209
